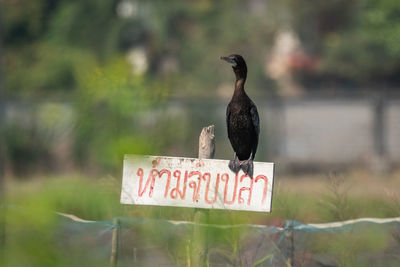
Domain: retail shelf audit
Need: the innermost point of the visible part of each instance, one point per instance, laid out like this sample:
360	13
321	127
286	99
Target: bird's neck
239	87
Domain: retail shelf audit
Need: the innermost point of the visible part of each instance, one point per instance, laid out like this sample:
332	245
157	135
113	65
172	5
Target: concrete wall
334	131
328	131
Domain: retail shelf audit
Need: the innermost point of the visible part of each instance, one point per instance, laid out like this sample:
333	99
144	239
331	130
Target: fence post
114	243
199	244
2	149
380	163
207	143
289	235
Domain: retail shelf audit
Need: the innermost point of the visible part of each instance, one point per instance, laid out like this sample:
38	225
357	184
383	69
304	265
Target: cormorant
242	120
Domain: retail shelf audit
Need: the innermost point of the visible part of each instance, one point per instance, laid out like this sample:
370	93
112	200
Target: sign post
195	183
199	251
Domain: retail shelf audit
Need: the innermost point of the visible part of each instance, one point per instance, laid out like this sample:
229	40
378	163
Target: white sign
187	182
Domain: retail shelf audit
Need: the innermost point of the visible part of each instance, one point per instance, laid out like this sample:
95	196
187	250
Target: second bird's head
238	65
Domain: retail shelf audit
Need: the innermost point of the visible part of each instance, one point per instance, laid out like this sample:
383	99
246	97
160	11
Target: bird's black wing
228	113
256	123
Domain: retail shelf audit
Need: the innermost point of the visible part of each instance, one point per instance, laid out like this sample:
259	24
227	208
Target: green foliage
347	246
43	71
258	263
34	236
196	34
367	52
354	40
47	40
27	155
107	100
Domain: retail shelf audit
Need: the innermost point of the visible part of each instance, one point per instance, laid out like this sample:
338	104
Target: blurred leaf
107	101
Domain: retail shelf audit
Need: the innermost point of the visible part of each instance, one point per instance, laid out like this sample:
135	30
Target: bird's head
238	65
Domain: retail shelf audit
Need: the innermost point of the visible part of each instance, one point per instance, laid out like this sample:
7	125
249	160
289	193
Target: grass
34	236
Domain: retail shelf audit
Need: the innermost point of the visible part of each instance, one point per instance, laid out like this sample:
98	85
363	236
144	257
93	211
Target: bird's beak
229	60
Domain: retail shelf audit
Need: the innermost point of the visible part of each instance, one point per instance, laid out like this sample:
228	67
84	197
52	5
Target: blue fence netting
69	240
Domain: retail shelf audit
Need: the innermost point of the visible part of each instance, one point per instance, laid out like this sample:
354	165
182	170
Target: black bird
242	120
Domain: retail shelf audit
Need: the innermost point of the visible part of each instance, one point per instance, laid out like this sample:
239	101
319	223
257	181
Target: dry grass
361	182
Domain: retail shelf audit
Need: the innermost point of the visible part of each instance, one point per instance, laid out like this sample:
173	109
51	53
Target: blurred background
84	82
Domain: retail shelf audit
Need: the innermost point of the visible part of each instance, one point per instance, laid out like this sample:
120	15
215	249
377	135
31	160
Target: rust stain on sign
156	162
200	163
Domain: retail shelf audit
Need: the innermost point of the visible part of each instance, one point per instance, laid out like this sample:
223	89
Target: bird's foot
248	167
234	165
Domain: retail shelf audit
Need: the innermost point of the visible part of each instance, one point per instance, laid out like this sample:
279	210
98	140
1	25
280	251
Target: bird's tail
246	165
